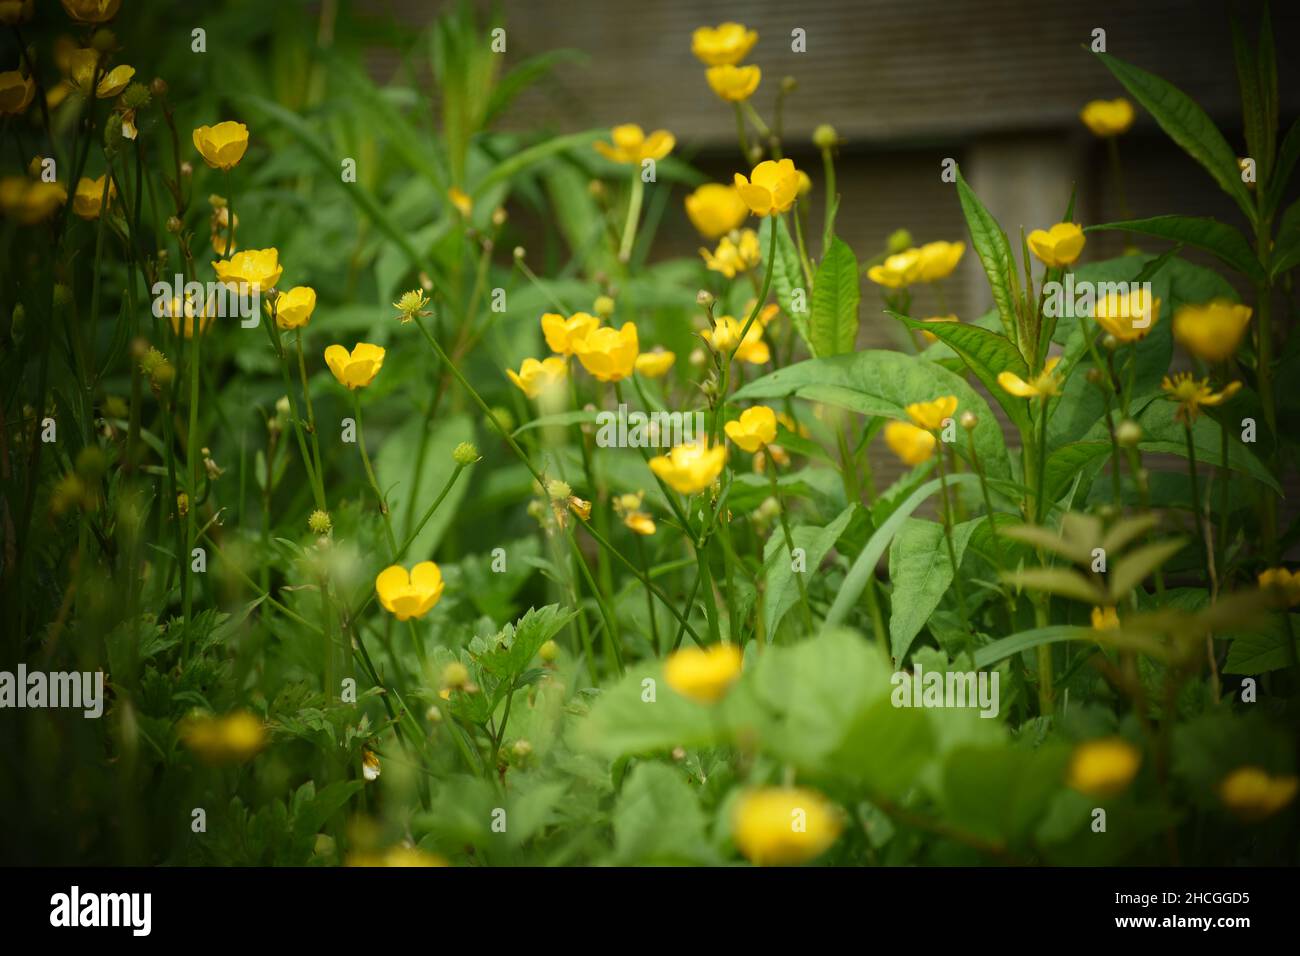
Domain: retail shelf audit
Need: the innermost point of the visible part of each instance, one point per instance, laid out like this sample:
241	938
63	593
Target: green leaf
985	353
1281	175
1252	102
658	820
782	591
1187	125
1262	650
510	652
1065	582
855	582
787	275
834	328
999	650
395	467
535	154
881	382
1215	237
921	574
994	253
1001	792
1286	248
1130	571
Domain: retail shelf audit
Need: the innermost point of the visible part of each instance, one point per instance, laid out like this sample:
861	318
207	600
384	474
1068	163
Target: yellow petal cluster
784	826
358	368
689	469
754	428
703	674
411	594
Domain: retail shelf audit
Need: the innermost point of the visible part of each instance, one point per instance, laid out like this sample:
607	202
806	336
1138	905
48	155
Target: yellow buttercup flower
1253	794
222	146
732	258
293	309
114	81
628	507
609	354
1059	246
771	188
784	826
534	377
715	209
754	428
358	368
1284	581
395	856
1212	331
1105	619
631	144
655	364
703	674
805	184
30	201
16	92
735	84
460	199
937	260
938	320
912	445
259	269
562	333
91	11
410	595
1107	117
690	469
723	45
87	199
897	271
725	337
1103	768
235	738
1192	394
932	414
1130	316
1044	385
174	308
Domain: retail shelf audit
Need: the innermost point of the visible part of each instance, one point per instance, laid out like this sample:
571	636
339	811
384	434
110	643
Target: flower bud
704	299
899	240
158	86
549	651
455	675
789	84
174	225
825	137
604	306
465	454
1128	433
969	420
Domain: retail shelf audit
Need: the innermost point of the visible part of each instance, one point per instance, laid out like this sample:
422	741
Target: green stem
789	546
370	476
1196	501
633	215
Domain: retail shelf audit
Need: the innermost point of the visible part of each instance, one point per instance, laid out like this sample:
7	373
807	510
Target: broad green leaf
1287	156
782	591
921	574
864	566
1001	792
985	353
1187	125
526	158
994	253
1252	102
412	488
834	326
1217	238
1263	649
885	749
658	819
882	383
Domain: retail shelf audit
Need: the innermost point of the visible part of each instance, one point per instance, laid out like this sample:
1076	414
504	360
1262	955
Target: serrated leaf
834	325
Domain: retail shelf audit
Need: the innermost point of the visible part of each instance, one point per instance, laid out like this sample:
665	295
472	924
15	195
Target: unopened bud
1128	433
825	137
